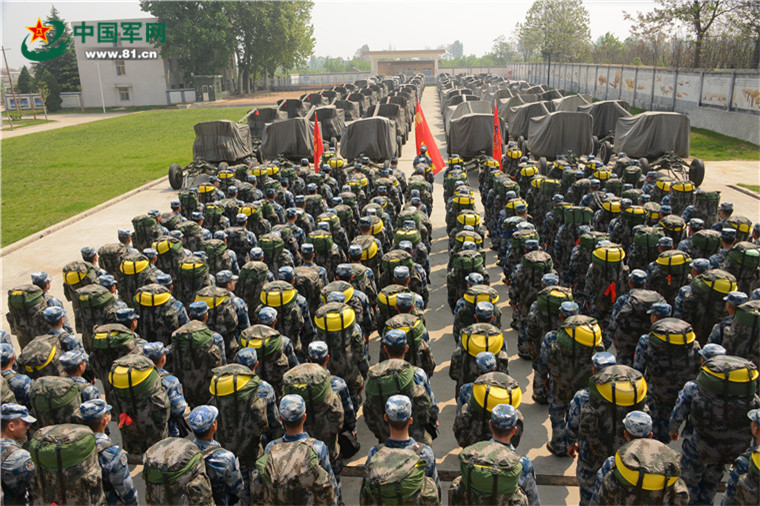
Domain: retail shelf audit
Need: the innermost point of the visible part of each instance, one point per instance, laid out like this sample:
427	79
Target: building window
124	94
121	69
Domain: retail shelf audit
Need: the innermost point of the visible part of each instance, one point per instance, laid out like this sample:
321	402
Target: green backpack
589	240
412	236
146	231
391	260
175	473
674	262
467	261
76	275
321	239
110	257
549	300
252	278
41	357
645	239
310	381
193	355
67	468
188	199
110	342
578	215
397	476
728	375
216	251
135	273
490	470
742	225
537	261
520	237
191	235
54	399
569	358
25	306
93	305
411	324
704	243
744	257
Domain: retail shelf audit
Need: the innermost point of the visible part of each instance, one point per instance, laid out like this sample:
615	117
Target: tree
455	50
359	53
699	16
607	48
199	35
25	81
53	101
502	51
746	17
64	68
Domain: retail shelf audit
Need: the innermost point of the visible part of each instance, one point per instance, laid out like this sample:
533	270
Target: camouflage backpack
633	318
93	305
170	254
239	241
704	306
742	261
535	264
578	215
419	354
54	400
314	205
397	476
191	235
193	275
391	260
41	357
251	280
549	300
645	248
471	296
386	302
188	199
76	275
290	474
613	393
206	193
170	220
391	377
490	473
611	275
488	391
140	401
213	214
646	471
673	270
110	257
7	393
569	357
370	248
336	325
135	273
706	207
467	261
474	339
269	348
674	227
110	342
309	284
25	306
67	468
242	411
283	296
748	486
193	355
147	230
675	359
175	473
159	316
222	317
743	339
216	252
324	410
742	225
682	194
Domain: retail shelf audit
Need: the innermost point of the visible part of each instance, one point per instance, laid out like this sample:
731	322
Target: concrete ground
55	249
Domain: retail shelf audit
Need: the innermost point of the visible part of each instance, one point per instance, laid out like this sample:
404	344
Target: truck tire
543	166
175	176
697	171
605	152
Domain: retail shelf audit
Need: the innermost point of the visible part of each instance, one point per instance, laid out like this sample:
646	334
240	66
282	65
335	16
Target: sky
341	27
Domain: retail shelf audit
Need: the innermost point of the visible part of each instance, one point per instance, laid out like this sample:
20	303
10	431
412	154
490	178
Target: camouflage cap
202	418
307	248
665	242
728	234
88	253
7	352
579	174
325	168
365	160
198	309
550	279
405	300
644	198
401	272
415	193
232	190
106	280
123	233
196	216
726	206
224	277
558	198
736	298
652	174
177	234
126	315
41	278
711	350
323	225
382	189
365	222
5	337
485	362
469	228
627	186
154	350
595	182
755	295
354	251
241	218
53	314
504	417
521	207
73	358
292	408
665	209
304	162
474	278
394	159
300	199
336	296
94	409
484	310
394	337
661	309
318	350
256	253
638	277
398	408
415	201
311	188
11	411
286	273
510	195
638	424
247	357
406	246
175	204
336	201
696	224
469	246
700	264
526	225
344	271
164	280
267	315
220	234
150	252
754	415
602	359
154	213
568	308
531	245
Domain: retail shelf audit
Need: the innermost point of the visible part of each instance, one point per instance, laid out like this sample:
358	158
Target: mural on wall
644	83
715	90
746	93
688	87
615	80
664	84
602	78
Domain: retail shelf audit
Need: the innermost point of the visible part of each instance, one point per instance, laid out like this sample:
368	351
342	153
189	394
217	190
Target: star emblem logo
39	31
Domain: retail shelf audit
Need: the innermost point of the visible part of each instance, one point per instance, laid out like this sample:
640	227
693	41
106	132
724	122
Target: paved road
51	252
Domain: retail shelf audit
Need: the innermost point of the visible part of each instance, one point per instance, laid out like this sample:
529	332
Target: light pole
102	98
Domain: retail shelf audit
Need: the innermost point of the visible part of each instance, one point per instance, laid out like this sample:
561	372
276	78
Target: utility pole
10	81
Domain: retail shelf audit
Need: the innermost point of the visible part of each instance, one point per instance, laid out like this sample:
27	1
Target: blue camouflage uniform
601	473
719	330
339	386
241	309
53	301
527	481
717	259
420	378
366	312
738	469
464	396
683	292
308	332
323	272
20	385
319	448
17	471
117	482
558	410
585	475
89	392
684	244
68	340
426	454
182	317
223	470
177	403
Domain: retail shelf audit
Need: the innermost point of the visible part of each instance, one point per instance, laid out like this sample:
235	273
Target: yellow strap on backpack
132	267
664	185
228	384
225	174
624	392
476	342
255	342
40	367
472	219
529	171
680	339
206	188
336	322
613	254
162	246
149	299
683	186
722	285
492	163
490	396
211	301
743	375
481	297
119	377
602	174
612	206
73	277
649	482
668	260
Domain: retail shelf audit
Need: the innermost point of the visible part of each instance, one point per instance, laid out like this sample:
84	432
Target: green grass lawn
752	187
713	146
23	122
50	176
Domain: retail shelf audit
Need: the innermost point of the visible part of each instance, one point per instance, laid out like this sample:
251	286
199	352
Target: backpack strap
59	471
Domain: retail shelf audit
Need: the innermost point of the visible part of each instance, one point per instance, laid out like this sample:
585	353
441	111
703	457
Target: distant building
407	62
124	70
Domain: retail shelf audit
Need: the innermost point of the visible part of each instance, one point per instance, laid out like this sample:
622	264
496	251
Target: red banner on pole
422	135
319	147
498	142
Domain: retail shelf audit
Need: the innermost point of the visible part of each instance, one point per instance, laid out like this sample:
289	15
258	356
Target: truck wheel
697	171
605	152
175	176
543	165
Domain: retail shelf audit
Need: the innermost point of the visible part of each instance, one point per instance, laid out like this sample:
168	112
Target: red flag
422	136
319	148
498	142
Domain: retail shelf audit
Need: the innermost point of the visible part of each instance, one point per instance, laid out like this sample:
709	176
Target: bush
54	100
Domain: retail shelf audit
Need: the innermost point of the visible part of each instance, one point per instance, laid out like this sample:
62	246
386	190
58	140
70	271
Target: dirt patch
260	98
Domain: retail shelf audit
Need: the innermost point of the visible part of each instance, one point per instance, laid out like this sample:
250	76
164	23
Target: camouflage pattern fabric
174	473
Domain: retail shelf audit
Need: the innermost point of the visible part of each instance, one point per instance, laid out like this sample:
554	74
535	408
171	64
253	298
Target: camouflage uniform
720	329
585	474
178	404
629	320
20	385
223	469
117	482
17	472
738	469
598	282
426	454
